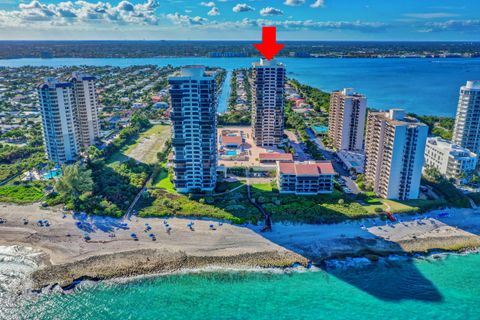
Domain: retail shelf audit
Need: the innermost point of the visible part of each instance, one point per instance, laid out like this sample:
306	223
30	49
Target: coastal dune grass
160	203
20	194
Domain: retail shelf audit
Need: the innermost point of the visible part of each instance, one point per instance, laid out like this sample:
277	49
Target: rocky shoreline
151	261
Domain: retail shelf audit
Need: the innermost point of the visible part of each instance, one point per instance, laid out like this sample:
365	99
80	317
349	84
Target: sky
394	20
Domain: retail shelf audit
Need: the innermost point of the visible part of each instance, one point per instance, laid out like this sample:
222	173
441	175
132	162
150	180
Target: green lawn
417	205
371	205
162	181
20	194
267	187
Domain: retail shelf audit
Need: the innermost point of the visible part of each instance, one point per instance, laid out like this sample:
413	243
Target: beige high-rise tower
394	154
86	108
346	123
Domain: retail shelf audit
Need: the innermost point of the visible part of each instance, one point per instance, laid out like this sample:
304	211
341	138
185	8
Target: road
298	146
337	164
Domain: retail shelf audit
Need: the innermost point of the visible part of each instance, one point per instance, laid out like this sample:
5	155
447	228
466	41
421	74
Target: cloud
214	12
453	25
293	25
242	7
294	3
185	20
326	25
269	11
318	4
208	4
80	12
83	15
431	15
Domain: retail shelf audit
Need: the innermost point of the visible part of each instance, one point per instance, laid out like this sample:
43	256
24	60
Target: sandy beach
68	257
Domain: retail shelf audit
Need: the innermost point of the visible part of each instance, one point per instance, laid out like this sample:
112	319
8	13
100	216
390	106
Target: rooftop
473	84
449	147
275	156
232	139
194	71
268	63
306	168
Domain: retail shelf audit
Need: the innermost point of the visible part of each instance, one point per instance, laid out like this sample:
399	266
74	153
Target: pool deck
252	151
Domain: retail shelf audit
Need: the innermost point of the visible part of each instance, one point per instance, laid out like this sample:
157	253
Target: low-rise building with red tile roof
305	178
231	141
273	157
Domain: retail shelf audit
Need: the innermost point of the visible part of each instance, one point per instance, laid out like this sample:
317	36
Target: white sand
225	240
355	236
318	241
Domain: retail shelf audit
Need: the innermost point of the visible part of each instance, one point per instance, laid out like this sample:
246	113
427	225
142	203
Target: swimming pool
231	153
55	173
319	129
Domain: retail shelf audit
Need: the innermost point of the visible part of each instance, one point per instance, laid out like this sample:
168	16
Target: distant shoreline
239	57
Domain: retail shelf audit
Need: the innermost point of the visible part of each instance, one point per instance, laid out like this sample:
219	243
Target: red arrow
269	46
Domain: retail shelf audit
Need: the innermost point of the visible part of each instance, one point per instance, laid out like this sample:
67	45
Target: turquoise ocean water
447	288
423	86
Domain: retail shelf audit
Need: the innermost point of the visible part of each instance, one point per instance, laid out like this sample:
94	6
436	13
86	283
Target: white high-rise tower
86	106
57	106
467	121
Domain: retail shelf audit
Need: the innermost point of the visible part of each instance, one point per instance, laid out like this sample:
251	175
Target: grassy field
267	187
145	147
162	181
411	206
21	194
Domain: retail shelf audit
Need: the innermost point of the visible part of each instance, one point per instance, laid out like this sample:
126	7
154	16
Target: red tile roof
307	169
232	140
275	156
287	167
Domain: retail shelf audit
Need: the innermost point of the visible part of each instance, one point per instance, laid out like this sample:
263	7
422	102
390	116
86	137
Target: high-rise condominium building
194	120
467	122
57	106
86	106
268	102
394	153
347	119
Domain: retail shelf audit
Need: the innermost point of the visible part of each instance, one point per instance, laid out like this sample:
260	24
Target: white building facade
466	132
347	114
57	106
450	160
194	119
268	102
394	155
